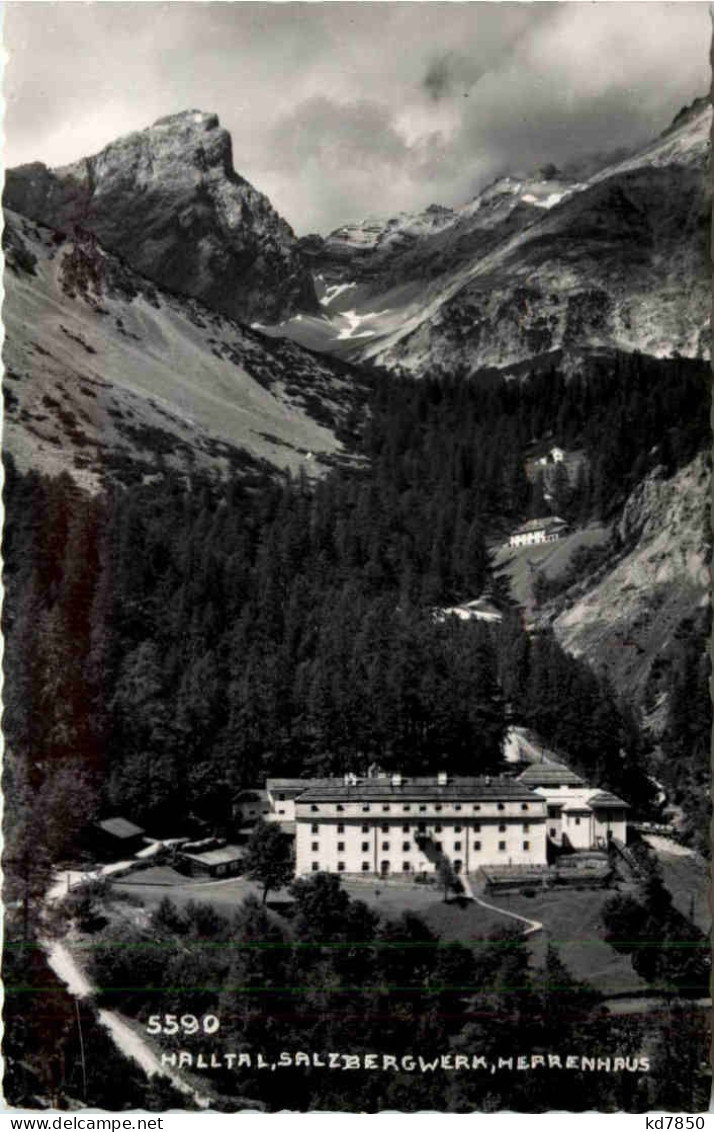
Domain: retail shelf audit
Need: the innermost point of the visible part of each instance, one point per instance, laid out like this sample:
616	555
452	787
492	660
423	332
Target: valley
263	498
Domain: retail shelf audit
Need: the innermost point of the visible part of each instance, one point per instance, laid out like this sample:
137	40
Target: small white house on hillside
535	531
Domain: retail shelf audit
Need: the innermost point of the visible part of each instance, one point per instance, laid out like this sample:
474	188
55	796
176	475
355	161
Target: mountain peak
168	199
202	118
687	113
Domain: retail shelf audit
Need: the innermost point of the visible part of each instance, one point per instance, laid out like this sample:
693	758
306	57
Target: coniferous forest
174	640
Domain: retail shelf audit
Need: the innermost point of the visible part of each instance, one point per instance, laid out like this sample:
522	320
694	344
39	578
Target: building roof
550	774
223	856
119	827
294	786
605	799
421	789
544	524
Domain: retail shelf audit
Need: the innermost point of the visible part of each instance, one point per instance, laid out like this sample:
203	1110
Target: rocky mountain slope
107	375
623	617
530	266
168	200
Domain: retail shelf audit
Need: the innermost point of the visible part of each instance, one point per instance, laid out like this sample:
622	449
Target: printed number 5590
185	1024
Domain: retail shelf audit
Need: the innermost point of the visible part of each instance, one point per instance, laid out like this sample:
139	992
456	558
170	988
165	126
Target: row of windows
407	846
406	807
420	828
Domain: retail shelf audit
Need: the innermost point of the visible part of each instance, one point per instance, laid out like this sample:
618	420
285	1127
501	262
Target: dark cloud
339	110
450	74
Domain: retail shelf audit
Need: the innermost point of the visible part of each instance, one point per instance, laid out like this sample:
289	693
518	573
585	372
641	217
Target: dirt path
667	846
532	925
126	1039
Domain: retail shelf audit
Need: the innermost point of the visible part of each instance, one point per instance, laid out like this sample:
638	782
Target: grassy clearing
550	558
688	879
573	922
451	921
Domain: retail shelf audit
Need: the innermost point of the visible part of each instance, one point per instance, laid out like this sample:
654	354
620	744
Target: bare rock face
624	622
168	200
532	266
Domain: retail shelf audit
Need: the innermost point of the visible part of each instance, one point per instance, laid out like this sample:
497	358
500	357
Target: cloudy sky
342	110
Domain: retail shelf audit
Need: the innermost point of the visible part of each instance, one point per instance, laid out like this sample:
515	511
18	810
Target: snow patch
354	322
332	292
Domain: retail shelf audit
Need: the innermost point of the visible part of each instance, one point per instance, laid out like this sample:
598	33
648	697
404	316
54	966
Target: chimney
442	778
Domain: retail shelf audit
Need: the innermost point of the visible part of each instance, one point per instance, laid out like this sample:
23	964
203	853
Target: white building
397	825
555	456
276	802
578	815
535	531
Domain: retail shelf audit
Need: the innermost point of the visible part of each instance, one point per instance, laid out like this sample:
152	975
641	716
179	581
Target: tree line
330	975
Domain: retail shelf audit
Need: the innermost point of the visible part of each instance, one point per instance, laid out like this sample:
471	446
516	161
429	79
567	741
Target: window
577	821
366	809
315	809
315	828
315	867
477	806
526	844
457	847
340	829
340	846
405	866
477	846
501	829
315	846
386	808
385	846
405	846
365	846
281	797
552	831
457	806
407	808
553	811
385	829
437	829
524	805
421	826
422	809
437	846
526	827
405	829
477	827
340	808
502	846
365	866
365	829
437	807
281	811
340	866
457	829
500	806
